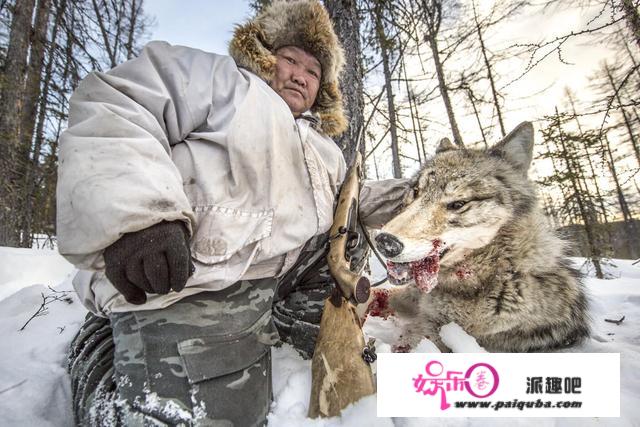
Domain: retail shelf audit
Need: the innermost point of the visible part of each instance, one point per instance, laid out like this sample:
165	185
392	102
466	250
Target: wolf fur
504	276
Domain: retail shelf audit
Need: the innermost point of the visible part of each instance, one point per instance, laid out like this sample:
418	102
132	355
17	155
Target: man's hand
154	260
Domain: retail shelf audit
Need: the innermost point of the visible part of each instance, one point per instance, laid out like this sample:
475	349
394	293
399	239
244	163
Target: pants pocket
230	377
212	357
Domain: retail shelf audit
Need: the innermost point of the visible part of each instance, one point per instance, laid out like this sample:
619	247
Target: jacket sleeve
115	173
381	200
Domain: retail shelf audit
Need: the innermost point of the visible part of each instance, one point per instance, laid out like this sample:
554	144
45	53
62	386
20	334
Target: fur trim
305	24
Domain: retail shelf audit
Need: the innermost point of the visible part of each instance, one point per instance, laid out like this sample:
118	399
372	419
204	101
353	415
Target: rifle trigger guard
353	239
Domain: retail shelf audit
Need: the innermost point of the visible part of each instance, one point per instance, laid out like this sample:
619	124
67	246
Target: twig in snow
617	322
13	386
46	300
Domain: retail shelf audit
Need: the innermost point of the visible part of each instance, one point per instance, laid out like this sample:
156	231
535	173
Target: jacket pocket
221	232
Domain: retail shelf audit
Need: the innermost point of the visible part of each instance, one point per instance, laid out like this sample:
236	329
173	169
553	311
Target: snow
24	267
35	390
458	340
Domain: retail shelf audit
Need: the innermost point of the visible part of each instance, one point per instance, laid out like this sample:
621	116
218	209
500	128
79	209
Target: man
194	191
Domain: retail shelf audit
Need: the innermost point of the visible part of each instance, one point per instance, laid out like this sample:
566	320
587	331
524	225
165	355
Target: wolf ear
517	147
445	145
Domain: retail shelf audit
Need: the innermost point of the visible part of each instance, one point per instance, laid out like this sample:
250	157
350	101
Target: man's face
297	78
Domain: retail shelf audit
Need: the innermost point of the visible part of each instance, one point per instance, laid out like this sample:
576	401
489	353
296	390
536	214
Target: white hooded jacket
180	134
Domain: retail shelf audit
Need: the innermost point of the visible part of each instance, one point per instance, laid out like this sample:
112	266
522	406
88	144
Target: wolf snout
389	245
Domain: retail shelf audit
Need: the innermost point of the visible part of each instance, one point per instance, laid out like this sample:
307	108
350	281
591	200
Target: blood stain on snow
379	307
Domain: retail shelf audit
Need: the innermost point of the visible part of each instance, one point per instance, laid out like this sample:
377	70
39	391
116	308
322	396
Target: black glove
154	260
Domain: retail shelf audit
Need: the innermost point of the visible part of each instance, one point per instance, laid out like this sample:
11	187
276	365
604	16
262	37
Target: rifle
340	375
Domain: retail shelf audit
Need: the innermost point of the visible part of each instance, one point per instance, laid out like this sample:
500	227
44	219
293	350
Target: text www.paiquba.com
517	404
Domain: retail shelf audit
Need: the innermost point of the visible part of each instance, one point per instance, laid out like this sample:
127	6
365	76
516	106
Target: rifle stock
340	376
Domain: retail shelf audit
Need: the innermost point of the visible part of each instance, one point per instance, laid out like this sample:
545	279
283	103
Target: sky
206	25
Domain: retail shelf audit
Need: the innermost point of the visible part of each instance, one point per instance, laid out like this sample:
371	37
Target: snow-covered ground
34	389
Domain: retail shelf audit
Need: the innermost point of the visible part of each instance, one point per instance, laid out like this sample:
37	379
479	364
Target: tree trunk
556	172
344	14
633	19
105	35
391	108
134	12
432	13
375	166
588	155
33	182
11	93
411	102
627	122
46	86
632	58
594	250
477	115
629	222
415	103
494	91
29	113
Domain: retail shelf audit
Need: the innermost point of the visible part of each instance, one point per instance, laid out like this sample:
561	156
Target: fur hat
304	24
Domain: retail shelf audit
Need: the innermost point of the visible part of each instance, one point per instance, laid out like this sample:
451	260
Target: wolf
470	245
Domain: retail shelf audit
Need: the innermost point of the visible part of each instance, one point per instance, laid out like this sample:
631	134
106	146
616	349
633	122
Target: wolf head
460	201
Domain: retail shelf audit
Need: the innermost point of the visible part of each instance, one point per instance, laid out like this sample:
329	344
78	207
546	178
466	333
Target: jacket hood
305	24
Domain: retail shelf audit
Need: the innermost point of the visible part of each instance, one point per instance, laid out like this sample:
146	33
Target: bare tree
432	11
489	67
629	221
630	8
12	96
571	177
588	144
344	14
52	44
633	140
415	116
377	9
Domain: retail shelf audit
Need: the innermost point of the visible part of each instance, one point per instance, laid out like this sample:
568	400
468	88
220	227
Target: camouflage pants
300	296
204	360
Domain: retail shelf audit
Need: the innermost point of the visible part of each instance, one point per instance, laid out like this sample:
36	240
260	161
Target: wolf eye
415	192
454	206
